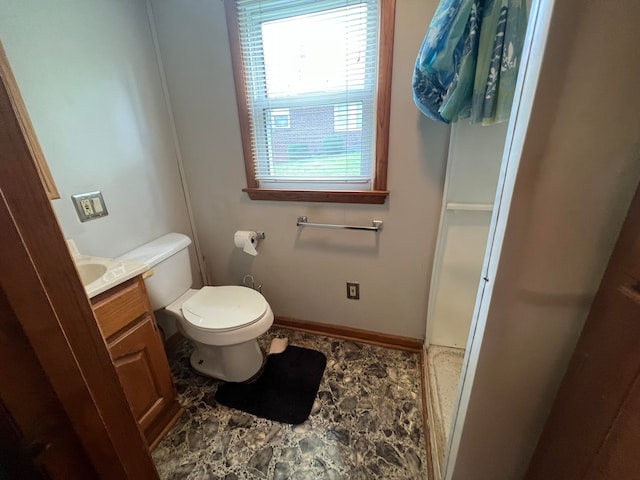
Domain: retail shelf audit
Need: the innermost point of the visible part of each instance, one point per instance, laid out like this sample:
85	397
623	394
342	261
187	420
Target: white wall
90	80
576	153
304	272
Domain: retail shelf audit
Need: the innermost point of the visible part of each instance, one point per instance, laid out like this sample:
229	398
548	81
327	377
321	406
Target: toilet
222	322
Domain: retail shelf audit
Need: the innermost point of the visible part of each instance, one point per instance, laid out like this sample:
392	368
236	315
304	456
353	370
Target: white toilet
222	322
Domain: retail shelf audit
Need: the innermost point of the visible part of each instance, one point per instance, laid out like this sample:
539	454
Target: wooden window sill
376	197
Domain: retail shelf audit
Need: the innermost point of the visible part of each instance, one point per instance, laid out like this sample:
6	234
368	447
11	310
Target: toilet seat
224	308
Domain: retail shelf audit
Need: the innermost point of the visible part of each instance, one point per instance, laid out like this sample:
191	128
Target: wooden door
593	430
36	436
15	461
141	363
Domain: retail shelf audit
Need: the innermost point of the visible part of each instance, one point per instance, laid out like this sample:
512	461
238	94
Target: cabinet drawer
121	307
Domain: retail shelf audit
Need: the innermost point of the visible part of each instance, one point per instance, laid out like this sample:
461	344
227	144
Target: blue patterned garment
451	38
504	25
468	62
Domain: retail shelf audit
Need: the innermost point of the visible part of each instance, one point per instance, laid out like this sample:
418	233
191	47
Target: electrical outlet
353	290
89	205
85	204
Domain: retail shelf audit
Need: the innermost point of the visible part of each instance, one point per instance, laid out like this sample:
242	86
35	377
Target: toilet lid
224	308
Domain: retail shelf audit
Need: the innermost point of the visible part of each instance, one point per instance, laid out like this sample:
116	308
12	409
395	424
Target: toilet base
230	363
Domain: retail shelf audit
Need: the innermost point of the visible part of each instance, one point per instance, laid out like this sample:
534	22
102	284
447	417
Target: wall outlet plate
89	206
353	290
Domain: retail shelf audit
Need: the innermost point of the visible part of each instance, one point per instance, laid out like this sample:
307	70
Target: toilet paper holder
248	240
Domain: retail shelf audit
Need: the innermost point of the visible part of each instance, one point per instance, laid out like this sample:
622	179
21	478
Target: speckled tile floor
366	422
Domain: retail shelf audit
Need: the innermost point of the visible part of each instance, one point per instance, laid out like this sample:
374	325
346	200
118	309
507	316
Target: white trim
532	59
174	134
440	242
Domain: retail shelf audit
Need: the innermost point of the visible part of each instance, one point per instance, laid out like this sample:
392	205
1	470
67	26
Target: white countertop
100	274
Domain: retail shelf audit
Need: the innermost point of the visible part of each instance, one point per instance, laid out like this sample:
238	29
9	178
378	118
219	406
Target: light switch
97	205
89	205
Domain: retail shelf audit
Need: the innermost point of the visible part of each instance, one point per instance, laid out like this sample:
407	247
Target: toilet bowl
222	322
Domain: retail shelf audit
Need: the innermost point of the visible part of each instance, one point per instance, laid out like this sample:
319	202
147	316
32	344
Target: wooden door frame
41	283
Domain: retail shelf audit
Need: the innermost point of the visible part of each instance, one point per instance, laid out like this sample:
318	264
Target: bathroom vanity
128	326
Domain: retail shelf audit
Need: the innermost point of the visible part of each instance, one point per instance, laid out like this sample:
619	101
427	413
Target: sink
90	272
99	274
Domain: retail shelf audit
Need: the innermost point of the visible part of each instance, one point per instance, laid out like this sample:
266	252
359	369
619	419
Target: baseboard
347	333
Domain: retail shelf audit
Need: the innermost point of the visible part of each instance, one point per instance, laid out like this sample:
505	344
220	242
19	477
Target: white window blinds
311	80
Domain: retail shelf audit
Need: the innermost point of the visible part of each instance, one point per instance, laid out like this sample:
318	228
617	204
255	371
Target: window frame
379	192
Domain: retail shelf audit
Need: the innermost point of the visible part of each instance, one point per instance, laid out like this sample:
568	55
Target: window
280	118
313	84
347	117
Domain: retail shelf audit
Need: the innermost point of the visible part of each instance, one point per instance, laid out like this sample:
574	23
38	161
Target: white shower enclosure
473	166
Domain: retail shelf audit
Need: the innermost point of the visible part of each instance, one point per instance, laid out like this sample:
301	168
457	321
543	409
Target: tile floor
366	422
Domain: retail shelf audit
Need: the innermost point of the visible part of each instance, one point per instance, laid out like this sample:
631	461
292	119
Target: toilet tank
168	256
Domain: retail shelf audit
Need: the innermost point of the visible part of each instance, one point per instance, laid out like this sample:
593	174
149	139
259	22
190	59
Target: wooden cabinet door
593	430
141	363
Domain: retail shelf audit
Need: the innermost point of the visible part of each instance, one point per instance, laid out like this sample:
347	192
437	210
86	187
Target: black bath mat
285	391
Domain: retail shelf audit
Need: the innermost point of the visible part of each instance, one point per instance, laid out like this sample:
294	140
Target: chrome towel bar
304	222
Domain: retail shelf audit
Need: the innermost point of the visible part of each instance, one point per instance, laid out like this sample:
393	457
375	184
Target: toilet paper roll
247	241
